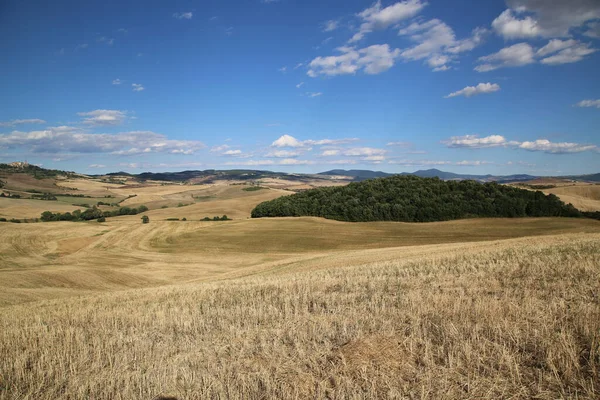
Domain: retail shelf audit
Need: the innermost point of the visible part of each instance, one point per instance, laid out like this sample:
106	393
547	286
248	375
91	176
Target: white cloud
593	30
117	81
283	153
330	25
287	141
313	94
232	153
363	152
299	85
251	163
330	153
282	69
559	52
290	141
81	46
475	142
437	43
372	60
137	87
15	122
543	145
544	18
218	149
555	45
556	148
96	166
510	26
513	56
378	18
329	142
475	90
74	140
589	103
574	53
103	117
183	15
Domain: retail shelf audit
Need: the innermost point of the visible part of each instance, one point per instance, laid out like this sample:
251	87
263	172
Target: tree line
90	214
415	199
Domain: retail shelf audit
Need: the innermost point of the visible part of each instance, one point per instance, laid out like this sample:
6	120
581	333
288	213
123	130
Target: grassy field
513	319
293	307
585	197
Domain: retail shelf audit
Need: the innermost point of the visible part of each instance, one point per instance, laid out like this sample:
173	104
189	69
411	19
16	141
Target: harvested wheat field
585	197
511	319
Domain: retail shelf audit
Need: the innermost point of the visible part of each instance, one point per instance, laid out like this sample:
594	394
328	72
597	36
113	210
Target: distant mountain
360	175
589	178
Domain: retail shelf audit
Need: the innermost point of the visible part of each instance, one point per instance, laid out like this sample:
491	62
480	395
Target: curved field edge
518	319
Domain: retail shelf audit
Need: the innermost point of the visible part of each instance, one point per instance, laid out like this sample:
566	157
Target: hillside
507	319
414	199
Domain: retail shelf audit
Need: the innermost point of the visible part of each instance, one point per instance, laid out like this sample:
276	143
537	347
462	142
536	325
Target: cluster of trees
44	196
90	214
223	218
414	199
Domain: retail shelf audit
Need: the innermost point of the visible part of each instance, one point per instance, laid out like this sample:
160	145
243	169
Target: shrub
101	219
172	219
2	219
145	219
184	219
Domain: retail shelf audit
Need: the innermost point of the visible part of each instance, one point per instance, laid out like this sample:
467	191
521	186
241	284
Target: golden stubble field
296	307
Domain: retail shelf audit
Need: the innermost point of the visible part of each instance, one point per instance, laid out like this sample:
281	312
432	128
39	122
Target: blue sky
495	87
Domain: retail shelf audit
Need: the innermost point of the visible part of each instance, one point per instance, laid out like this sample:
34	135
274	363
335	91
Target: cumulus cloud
232	153
513	56
183	15
330	153
15	122
555	52
283	153
474	141
287	141
571	53
544	18
290	141
117	81
377	18
589	103
103	117
543	145
437	43
372	60
137	87
475	90
74	140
